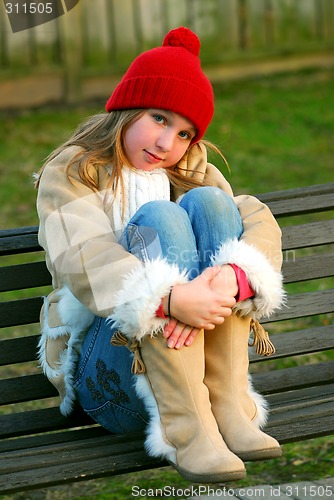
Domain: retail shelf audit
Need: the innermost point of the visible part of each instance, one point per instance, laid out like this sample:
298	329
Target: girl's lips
152	157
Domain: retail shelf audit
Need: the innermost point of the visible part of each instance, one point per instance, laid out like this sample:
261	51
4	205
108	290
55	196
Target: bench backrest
304	328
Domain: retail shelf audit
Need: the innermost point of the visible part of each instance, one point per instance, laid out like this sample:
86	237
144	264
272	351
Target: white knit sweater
139	187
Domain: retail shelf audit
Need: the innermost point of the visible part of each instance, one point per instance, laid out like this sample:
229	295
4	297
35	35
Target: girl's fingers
178	336
169	328
191	337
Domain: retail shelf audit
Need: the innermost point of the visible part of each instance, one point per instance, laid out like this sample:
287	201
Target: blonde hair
101	139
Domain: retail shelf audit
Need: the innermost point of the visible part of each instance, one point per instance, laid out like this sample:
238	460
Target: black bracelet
169	298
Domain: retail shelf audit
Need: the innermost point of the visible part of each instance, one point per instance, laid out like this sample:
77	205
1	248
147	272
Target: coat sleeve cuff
245	291
137	302
266	283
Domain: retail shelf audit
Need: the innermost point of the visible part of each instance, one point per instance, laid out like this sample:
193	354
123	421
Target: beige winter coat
93	275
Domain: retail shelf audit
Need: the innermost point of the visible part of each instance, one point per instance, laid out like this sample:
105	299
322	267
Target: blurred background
270	61
81	54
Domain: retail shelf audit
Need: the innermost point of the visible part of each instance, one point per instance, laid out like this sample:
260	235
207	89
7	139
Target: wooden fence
101	37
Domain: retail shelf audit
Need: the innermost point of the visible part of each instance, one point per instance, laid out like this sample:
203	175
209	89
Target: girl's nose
165	140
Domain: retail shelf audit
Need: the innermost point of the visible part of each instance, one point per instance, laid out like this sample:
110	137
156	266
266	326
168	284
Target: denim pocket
104	384
117	419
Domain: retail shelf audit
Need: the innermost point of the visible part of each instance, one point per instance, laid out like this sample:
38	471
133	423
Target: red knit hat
168	77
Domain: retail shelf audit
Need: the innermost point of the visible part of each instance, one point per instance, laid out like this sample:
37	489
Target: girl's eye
185	135
159	118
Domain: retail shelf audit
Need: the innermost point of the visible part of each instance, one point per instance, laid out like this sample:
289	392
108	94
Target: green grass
277	133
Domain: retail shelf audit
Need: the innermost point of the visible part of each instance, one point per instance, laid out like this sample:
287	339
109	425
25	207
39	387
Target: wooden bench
40	448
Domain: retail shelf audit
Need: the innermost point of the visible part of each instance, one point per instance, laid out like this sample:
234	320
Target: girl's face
158	139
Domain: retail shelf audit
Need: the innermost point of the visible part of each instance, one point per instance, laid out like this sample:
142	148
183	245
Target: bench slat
21	276
298	342
300	429
298	377
20	240
308	268
305	304
300	192
308	235
18	350
27	388
104	463
300	197
20	312
38	421
299	399
302	205
67	438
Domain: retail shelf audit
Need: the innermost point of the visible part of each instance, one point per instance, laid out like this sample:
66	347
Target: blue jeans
186	234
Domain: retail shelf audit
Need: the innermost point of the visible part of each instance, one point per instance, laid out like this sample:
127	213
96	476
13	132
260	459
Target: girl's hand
202	302
179	334
225	281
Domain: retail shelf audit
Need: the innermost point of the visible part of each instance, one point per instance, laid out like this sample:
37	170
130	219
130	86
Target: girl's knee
209	197
160	213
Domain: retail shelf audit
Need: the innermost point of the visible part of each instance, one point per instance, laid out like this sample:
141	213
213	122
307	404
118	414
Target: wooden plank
305	304
302	205
20	240
21	276
68	436
18	350
14	461
299	342
105	465
308	268
312	411
20	312
38	421
300	399
25	388
300	192
308	235
288	431
297	377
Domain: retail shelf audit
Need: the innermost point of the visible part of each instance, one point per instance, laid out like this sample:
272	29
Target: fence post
4	59
71	32
243	21
269	23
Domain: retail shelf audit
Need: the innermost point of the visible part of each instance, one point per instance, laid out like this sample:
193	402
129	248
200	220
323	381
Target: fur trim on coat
266	283
141	295
76	320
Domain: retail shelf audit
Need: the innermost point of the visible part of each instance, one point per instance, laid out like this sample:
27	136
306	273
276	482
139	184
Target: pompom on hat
168	77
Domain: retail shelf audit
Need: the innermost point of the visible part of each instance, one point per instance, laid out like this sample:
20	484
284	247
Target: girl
159	273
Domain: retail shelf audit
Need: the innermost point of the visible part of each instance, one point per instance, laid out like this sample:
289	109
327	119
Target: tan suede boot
235	405
182	427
